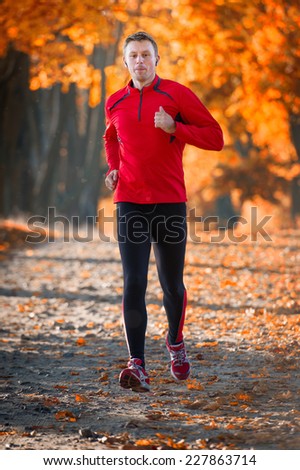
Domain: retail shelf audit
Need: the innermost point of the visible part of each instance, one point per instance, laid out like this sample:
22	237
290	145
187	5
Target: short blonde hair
141	36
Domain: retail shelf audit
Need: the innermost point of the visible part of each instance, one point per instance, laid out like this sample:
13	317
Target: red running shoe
135	377
180	366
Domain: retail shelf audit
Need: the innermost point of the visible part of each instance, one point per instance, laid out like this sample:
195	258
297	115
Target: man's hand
164	121
112	179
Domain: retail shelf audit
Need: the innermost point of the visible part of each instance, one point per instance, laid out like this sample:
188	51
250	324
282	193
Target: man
148	124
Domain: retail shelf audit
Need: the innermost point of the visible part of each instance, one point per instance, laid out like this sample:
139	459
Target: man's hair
140	36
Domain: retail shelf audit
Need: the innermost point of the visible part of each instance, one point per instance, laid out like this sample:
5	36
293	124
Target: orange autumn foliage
253	94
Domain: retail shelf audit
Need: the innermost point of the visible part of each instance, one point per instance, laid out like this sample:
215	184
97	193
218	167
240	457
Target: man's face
141	61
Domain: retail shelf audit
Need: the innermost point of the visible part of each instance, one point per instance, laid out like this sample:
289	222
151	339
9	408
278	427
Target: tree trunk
47	195
225	212
295	183
48	156
16	175
88	202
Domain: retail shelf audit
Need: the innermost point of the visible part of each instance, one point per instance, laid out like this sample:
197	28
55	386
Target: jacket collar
131	87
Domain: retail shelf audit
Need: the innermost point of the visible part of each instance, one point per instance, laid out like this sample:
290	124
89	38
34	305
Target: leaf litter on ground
63	346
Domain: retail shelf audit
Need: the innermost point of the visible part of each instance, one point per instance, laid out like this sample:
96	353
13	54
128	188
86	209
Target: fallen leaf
65	415
177	414
81	398
144	442
196	404
194	385
104	377
154	416
51	401
199	357
228	282
81	342
211	406
85	274
212	379
243	397
211	425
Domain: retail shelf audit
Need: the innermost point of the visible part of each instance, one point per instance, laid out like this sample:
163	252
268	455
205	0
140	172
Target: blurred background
60	59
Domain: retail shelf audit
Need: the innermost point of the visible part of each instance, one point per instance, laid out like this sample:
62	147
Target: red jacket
149	160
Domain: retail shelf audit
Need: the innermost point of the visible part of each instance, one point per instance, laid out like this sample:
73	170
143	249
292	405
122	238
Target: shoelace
141	370
134	365
179	356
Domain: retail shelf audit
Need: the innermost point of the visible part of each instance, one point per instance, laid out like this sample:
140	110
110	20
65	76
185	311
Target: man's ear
124	62
157	60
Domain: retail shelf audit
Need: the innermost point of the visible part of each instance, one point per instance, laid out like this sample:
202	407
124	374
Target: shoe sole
129	381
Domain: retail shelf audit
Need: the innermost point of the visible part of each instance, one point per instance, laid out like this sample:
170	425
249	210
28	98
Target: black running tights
163	226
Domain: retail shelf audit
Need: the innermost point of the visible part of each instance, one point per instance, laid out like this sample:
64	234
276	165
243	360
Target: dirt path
62	349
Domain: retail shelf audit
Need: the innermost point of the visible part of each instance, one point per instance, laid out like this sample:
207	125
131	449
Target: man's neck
141	84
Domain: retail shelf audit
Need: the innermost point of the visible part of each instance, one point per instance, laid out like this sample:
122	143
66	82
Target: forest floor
62	348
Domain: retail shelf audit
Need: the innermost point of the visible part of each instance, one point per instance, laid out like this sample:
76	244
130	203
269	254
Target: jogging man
148	124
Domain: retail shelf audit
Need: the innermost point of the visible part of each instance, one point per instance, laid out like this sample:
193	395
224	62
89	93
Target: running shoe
180	366
135	377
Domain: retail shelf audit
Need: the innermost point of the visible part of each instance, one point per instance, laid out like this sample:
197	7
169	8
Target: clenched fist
164	121
111	180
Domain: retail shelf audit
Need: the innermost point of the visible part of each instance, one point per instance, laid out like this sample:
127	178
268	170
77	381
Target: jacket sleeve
198	128
111	144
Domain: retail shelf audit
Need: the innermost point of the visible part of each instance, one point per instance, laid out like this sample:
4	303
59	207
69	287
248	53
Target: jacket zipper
140	105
